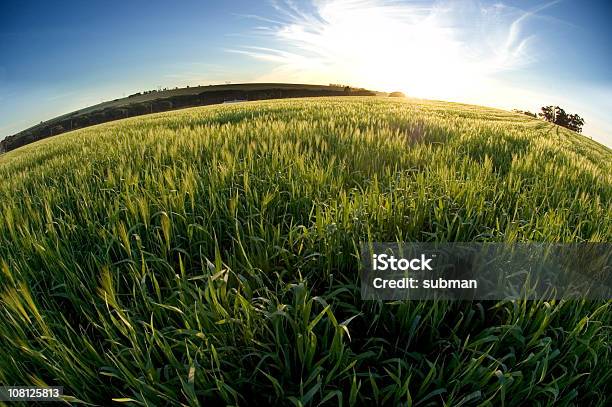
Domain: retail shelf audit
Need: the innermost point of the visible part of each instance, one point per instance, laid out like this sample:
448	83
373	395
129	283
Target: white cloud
429	51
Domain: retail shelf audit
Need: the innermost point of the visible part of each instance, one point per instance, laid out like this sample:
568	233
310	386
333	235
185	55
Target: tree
575	123
558	116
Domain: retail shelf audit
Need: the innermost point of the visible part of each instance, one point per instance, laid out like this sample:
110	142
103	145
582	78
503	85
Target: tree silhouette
558	116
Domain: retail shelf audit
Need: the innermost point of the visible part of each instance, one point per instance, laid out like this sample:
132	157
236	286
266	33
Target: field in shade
209	256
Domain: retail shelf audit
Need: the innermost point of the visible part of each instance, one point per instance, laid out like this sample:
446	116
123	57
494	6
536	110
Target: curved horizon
509	56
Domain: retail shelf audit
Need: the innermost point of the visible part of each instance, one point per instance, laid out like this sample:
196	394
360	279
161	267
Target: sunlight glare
386	45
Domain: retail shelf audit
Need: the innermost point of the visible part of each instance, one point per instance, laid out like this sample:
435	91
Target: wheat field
209	256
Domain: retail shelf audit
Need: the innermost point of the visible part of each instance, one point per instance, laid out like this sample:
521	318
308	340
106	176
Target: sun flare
425	52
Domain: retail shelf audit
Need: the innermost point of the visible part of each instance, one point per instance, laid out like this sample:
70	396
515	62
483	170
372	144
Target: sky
57	57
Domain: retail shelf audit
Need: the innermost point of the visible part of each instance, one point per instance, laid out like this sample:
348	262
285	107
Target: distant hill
171	99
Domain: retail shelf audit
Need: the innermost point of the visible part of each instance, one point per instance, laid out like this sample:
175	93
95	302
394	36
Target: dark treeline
79	120
558	116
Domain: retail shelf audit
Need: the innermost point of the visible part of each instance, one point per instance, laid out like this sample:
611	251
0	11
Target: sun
423	52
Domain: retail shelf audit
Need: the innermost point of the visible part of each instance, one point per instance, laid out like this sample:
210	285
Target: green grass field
209	256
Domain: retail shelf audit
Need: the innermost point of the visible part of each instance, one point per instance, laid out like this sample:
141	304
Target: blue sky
56	57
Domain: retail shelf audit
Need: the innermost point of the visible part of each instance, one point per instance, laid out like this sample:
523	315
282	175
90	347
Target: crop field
209	256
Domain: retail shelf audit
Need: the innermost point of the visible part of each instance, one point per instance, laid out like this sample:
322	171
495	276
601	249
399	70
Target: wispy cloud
438	49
